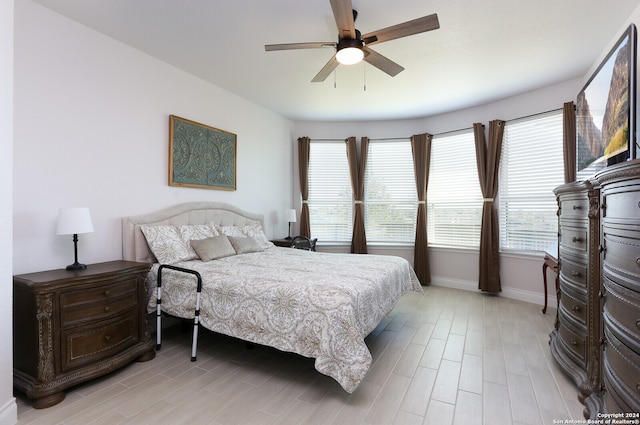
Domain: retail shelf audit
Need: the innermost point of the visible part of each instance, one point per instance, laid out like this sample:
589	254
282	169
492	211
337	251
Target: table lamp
72	221
290	216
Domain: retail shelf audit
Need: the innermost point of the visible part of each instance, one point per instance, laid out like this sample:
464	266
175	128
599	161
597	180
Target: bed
315	304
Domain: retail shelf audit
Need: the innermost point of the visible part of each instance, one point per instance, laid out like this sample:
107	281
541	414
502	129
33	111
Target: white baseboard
9	412
507	292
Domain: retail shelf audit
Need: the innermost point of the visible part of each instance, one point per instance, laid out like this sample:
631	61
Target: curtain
356	170
421	150
569	141
303	167
488	161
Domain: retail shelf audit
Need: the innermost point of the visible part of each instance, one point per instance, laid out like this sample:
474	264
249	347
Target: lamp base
76	266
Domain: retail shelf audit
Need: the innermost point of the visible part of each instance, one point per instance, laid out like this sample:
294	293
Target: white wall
521	276
91	129
8	407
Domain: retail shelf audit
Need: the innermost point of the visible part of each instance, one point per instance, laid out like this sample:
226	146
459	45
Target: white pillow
252	231
166	243
190	232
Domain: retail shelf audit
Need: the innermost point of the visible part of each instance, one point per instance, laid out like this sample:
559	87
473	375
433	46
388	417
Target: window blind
454	198
330	196
530	168
390	192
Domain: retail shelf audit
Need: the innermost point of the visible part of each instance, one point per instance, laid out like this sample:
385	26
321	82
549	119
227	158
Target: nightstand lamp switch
290	216
72	221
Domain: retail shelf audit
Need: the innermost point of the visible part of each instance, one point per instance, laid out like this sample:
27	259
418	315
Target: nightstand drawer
96	312
102	293
92	343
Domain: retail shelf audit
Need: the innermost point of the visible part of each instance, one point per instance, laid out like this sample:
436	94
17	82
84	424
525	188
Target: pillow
213	248
252	231
189	232
244	245
166	243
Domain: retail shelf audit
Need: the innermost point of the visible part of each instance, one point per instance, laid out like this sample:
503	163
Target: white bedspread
318	305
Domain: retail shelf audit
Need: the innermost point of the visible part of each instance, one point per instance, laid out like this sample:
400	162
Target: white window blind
530	168
330	196
454	198
390	197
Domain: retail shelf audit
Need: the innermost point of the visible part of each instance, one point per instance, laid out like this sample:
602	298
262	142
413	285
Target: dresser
72	326
575	341
620	245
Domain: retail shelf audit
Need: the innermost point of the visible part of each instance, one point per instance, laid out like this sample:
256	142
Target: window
390	195
330	196
530	168
454	198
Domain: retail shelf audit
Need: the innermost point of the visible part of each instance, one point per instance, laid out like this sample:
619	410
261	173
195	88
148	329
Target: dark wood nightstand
72	326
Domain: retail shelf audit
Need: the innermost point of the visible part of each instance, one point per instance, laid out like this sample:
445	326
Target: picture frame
201	156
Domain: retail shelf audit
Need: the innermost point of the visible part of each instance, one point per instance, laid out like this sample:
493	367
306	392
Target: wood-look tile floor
442	357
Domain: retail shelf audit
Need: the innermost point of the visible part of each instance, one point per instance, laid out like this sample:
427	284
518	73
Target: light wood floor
442	357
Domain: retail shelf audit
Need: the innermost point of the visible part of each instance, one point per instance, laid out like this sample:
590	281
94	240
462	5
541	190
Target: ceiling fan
352	46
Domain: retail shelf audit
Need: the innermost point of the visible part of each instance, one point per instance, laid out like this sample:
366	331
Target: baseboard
507	292
9	412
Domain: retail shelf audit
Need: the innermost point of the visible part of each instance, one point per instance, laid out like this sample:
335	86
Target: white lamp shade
74	220
290	215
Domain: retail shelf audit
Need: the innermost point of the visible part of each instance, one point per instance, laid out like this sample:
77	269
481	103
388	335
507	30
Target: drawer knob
107	338
575	273
107	293
107	309
575	308
574	342
638	261
576	239
638	323
577	207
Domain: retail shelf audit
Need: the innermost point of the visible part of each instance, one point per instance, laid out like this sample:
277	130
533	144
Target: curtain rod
447	132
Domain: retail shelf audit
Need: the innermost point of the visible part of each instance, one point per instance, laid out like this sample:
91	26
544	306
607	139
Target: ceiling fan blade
416	26
382	62
343	14
294	46
326	70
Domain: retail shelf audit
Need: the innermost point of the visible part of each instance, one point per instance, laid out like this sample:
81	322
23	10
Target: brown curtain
356	170
488	160
303	167
421	149
569	141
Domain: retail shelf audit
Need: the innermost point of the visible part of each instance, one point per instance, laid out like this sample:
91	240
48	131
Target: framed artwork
201	156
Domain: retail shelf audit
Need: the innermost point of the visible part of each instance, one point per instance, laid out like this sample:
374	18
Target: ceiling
484	50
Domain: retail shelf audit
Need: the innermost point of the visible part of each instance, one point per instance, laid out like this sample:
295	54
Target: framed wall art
201	156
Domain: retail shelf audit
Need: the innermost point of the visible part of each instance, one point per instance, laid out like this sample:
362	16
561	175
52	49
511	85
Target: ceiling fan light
349	55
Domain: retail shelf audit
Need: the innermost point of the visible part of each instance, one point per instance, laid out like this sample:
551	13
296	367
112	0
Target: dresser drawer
101	340
622	364
573	303
573	238
574	207
621	256
621	202
573	271
622	313
573	339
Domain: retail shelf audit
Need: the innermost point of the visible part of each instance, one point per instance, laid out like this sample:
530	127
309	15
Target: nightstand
73	326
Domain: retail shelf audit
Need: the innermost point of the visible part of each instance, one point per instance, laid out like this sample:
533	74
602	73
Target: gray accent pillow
213	248
244	245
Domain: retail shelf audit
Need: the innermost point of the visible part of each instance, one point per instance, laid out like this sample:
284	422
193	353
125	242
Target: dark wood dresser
620	240
575	341
72	326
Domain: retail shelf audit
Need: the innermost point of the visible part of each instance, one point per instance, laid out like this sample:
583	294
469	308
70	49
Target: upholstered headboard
134	244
